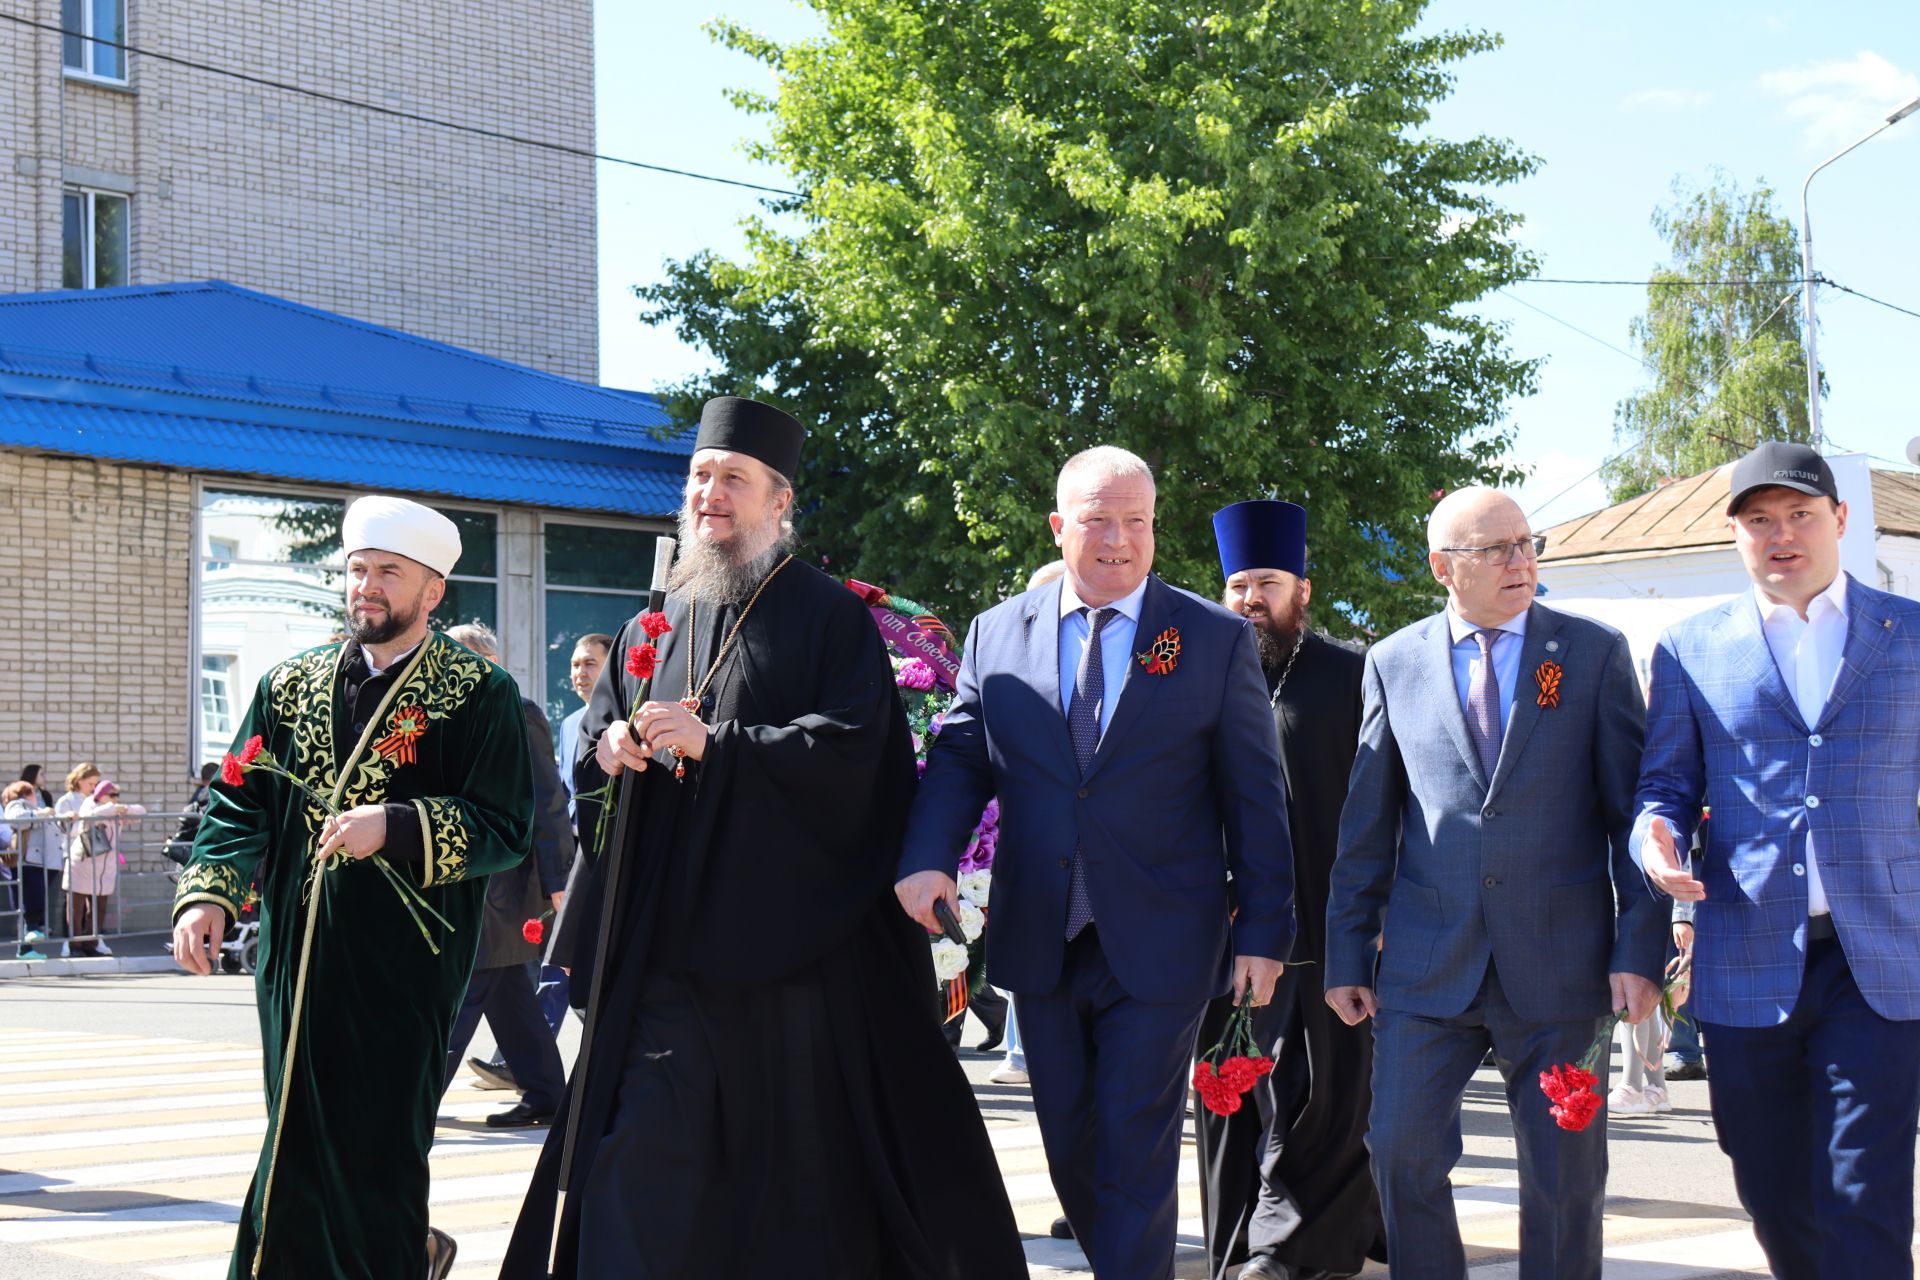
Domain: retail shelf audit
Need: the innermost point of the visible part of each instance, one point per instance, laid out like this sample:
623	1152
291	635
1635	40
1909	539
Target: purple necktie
1483	704
1083	724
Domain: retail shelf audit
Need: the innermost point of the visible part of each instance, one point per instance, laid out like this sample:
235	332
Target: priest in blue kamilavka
374	785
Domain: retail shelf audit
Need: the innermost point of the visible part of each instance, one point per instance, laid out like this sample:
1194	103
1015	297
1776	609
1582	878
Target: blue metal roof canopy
213	377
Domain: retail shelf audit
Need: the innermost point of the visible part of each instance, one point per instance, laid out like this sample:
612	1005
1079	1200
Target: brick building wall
480	243
94	642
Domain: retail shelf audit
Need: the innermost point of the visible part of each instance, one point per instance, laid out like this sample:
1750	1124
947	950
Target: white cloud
1559	487
1666	100
1836	102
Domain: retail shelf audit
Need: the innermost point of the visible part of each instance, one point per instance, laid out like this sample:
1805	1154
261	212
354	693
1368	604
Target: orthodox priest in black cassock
768	1091
1284	1182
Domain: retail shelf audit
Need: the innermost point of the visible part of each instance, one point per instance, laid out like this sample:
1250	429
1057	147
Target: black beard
711	572
1275	640
365	633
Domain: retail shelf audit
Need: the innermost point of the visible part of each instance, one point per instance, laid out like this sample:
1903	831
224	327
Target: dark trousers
1817	1114
1421	1068
1109	1076
505	996
37	885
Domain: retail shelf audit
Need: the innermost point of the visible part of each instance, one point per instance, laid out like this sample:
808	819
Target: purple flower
990	817
914	674
919	768
933	726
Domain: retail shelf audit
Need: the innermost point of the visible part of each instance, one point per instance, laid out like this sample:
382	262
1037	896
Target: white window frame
224	681
90	198
89	46
248	484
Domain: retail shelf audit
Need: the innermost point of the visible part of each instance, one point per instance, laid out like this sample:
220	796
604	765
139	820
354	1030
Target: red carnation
655	624
1239	1073
1570	1089
251	752
1262	1066
640	661
230	770
533	931
1215	1094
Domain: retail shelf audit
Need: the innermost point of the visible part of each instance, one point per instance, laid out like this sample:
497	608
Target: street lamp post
1806	266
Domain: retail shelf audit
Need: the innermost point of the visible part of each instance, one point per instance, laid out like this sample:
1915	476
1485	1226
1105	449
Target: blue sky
1618	101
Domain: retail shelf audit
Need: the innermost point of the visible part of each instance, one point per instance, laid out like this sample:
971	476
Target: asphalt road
116	1161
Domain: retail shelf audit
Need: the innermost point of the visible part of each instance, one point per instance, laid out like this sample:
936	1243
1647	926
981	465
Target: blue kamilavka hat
1262	534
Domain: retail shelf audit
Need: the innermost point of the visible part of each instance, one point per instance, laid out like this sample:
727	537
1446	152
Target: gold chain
693	632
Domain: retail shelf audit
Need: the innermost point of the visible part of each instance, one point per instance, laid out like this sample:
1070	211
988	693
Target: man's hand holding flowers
668	726
620	749
358	833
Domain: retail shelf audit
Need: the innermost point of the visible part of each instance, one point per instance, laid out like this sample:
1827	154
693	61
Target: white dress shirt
1807	652
1116	645
1509	636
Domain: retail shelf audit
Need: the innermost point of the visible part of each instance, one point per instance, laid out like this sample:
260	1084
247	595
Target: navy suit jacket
1529	867
1721	725
1185	786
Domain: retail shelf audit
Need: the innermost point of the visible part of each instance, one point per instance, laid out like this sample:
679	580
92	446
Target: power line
1768	282
394	112
1869	297
1695	388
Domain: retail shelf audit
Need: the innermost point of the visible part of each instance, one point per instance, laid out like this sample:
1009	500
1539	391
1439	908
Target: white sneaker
1657	1098
1629	1102
101	947
1007	1073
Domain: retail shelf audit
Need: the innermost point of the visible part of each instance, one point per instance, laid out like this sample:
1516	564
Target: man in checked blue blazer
1485	831
1793	710
1124	726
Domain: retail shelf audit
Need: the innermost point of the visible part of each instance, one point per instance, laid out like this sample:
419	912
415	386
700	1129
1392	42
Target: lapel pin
1553	646
1887	623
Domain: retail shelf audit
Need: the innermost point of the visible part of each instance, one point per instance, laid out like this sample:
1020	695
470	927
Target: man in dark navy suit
1124	726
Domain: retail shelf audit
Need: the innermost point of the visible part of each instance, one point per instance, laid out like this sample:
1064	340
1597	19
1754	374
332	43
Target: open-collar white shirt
1807	651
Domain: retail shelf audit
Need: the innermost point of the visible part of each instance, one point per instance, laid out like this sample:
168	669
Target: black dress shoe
492	1075
1264	1266
994	1037
1061	1228
519	1116
440	1252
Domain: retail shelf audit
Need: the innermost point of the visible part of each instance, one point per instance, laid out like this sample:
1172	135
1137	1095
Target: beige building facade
118	168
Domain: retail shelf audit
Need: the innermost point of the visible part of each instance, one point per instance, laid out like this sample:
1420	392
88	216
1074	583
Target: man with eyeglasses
1485	830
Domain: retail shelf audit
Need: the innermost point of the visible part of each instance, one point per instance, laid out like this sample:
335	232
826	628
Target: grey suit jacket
1529	869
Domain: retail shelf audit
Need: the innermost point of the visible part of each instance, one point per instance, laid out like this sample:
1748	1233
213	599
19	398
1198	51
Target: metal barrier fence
57	910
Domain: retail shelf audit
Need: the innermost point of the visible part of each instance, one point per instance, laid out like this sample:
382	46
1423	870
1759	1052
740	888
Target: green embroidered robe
355	1007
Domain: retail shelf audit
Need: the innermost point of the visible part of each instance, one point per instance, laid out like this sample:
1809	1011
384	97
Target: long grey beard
707	572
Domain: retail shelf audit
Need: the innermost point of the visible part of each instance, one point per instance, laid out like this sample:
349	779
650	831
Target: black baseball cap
1779	464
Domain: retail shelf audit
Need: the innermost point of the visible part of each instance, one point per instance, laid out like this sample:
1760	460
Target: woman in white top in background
39	871
93	865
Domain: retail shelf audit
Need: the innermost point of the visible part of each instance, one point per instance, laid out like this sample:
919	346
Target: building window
216	698
595	579
94	240
86	23
272	583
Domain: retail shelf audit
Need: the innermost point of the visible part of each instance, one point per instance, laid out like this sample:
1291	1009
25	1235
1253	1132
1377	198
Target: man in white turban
373	786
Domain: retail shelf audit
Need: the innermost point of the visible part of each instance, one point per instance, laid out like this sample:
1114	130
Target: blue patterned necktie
1483	704
1083	724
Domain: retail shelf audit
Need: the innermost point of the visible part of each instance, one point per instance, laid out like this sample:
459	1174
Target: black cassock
768	1091
1288	1176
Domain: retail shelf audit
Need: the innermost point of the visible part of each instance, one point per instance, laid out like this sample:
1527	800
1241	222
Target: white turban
381	522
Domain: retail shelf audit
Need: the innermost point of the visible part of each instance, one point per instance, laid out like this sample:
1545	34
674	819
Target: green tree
1219	234
1721	338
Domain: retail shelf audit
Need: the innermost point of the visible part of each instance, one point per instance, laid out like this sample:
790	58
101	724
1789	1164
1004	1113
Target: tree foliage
1721	338
1218	234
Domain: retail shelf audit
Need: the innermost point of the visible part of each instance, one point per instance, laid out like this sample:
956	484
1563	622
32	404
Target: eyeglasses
1501	554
